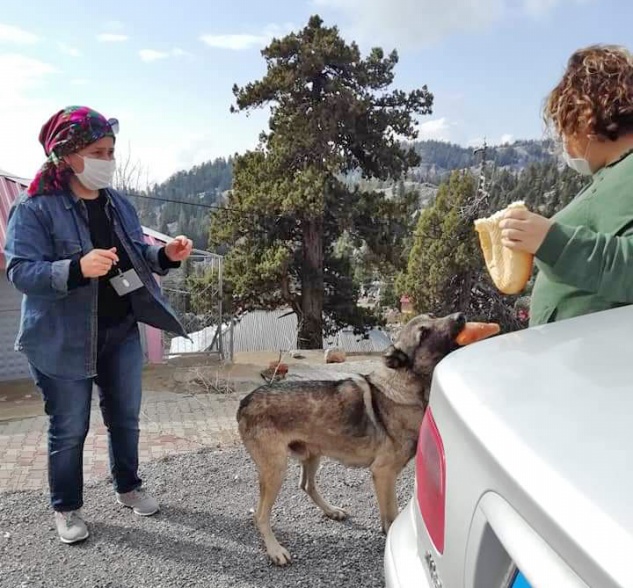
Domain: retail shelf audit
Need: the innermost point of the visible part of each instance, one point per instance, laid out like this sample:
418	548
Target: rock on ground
335	356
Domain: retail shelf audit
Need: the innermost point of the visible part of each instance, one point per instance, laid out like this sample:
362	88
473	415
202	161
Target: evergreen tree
445	254
446	271
332	113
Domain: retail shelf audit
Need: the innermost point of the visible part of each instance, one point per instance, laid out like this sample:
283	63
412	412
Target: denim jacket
58	330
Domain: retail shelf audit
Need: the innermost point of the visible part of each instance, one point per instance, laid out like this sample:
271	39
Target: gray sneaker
139	501
71	527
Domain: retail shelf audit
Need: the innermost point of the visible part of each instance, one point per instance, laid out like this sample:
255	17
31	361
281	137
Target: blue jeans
67	404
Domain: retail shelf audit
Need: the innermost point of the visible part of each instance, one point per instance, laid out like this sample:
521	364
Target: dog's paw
279	555
336	514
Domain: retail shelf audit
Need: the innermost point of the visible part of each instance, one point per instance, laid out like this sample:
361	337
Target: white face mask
97	174
578	164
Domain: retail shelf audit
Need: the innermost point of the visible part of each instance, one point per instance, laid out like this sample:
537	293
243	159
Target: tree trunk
464	296
310	334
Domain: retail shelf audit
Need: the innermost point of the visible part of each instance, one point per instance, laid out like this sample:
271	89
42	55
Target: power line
200	204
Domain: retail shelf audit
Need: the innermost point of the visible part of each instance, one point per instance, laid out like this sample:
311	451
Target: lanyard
107	211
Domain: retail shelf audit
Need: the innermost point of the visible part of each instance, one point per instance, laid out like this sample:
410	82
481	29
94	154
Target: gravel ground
204	535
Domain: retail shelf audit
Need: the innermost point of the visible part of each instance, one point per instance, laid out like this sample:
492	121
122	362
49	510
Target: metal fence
194	291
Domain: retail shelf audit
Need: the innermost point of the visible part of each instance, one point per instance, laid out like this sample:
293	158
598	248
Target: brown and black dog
366	421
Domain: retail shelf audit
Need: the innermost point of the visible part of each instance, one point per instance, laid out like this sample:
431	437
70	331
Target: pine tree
446	271
445	255
332	113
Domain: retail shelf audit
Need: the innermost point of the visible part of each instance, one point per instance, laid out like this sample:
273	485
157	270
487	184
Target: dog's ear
395	358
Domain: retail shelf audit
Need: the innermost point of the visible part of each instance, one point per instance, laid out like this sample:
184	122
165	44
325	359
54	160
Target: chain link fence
194	291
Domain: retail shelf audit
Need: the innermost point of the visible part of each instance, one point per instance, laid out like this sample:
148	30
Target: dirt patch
202	376
208	374
299	357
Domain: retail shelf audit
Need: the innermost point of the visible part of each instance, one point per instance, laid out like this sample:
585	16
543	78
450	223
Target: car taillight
430	467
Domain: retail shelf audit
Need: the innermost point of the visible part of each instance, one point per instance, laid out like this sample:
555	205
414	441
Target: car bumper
404	567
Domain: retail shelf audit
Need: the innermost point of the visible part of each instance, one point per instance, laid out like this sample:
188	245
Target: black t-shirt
112	307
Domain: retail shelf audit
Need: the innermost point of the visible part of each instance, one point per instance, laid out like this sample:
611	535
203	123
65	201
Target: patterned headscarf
66	132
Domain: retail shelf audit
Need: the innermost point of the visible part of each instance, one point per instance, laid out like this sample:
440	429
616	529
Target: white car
524	467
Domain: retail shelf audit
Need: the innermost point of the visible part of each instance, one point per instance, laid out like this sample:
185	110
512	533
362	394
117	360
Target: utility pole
479	204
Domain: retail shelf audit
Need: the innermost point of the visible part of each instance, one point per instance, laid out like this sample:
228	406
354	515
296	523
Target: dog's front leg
384	477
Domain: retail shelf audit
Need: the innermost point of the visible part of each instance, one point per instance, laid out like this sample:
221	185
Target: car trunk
535	431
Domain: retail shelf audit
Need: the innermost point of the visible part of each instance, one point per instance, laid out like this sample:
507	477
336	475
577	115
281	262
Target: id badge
126	282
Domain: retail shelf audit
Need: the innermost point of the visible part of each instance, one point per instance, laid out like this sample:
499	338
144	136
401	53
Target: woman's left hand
523	230
179	249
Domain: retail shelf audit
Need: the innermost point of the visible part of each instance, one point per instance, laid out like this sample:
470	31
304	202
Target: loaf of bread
510	270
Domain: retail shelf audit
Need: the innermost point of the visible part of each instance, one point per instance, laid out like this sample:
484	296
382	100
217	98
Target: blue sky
165	68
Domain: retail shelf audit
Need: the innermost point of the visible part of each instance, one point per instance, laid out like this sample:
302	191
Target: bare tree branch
131	176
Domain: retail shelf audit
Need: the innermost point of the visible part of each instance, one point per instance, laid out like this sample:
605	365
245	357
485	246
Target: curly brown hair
595	95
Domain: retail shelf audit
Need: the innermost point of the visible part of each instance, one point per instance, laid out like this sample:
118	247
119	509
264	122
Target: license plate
520	581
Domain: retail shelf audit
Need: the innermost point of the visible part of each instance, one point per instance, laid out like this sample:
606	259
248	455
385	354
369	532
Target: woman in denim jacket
75	250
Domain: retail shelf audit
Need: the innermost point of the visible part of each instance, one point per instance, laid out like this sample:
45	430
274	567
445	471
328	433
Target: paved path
171	423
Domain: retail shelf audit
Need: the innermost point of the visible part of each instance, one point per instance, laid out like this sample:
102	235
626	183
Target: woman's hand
523	230
179	249
98	262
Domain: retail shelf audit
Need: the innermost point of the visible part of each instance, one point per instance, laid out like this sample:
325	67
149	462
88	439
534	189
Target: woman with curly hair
585	252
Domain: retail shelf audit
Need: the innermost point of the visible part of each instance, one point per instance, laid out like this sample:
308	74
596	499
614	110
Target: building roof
10	188
154	237
19	179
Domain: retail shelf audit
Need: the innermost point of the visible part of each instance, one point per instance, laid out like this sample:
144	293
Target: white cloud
415	23
21	114
506	139
149	55
69	50
23	71
243	41
234	42
38	90
11	34
180	143
112	38
438	129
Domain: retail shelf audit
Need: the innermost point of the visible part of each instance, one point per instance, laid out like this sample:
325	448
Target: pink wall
10	188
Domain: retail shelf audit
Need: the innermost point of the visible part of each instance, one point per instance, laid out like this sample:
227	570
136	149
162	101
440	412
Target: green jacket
586	261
